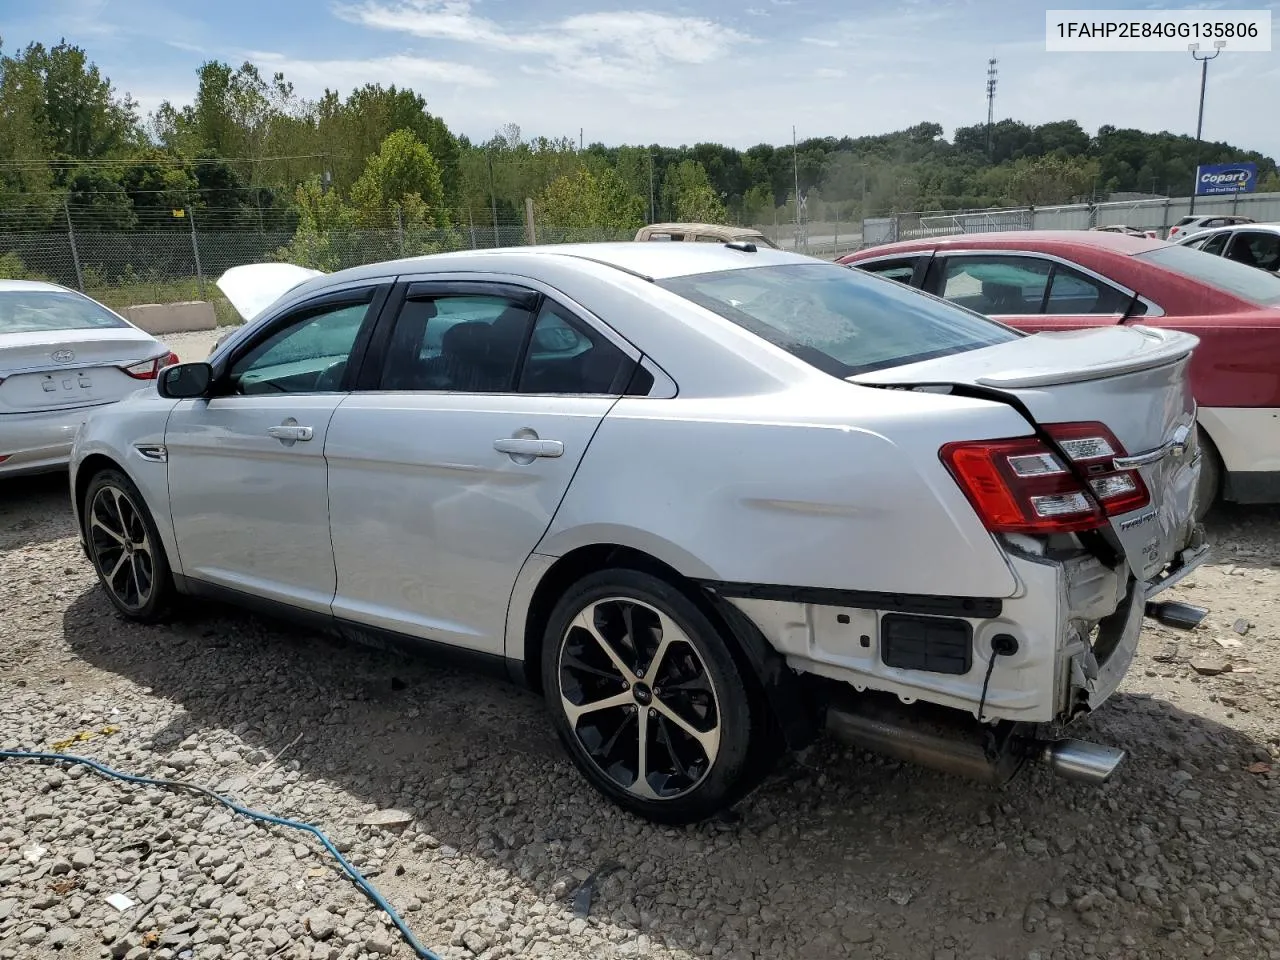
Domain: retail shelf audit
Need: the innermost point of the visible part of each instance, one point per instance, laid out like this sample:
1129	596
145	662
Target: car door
1032	292
1254	248
447	466
247	477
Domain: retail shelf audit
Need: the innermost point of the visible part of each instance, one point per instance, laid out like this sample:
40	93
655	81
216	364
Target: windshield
840	320
1248	283
44	311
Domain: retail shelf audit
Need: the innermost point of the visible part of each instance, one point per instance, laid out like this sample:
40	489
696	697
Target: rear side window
1255	286
900	270
47	311
996	285
841	321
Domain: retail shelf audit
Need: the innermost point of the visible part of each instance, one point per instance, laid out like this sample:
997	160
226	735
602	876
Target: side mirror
185	381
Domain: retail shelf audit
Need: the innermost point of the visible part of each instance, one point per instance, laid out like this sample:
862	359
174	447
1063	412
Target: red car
1063	280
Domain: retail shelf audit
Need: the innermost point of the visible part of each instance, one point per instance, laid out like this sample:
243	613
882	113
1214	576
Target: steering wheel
330	378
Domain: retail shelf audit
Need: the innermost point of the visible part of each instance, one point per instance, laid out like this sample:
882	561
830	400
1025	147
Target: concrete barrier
160	318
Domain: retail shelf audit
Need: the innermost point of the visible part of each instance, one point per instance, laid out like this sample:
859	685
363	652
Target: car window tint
996	285
707	238
1256	248
308	356
47	311
900	270
1196	244
566	356
838	320
1255	286
1215	244
461	343
1072	292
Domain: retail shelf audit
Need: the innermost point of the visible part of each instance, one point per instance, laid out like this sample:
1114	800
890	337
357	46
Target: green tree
1050	180
404	175
587	200
688	197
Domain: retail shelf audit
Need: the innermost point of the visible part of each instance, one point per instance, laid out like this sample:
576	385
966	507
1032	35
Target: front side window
996	285
838	320
307	356
1256	248
900	270
47	311
1217	243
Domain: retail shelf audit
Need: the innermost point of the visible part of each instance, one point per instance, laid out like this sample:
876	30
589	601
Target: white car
1253	244
1189	225
706	498
62	355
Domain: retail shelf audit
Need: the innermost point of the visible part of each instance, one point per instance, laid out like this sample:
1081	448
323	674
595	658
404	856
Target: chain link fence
174	258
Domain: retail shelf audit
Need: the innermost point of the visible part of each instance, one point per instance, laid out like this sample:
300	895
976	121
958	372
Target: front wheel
125	548
646	696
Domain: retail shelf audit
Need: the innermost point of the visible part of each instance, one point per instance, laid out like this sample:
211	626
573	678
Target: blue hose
367	888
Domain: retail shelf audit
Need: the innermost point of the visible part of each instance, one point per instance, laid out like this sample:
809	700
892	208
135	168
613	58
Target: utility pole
1204	77
652	216
493	200
579	139
795	168
991	100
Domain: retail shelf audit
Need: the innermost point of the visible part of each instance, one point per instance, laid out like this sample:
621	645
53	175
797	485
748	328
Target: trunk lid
1132	379
50	370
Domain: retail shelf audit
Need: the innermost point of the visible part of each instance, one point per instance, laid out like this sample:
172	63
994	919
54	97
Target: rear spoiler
255	286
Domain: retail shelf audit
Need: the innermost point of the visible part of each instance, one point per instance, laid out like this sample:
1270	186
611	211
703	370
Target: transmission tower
991	100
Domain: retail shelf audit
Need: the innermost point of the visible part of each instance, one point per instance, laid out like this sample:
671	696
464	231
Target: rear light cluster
1021	486
150	369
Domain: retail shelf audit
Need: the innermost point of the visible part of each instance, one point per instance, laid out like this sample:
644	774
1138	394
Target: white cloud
402	70
829	73
820	42
624	49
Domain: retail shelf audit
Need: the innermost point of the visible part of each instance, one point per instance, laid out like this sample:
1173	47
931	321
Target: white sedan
61	355
706	498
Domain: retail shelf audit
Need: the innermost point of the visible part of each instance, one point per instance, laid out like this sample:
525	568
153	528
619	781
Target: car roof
1264	227
649	261
1121	243
12	286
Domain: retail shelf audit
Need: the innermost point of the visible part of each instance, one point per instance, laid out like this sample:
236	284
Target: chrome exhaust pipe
1081	761
932	738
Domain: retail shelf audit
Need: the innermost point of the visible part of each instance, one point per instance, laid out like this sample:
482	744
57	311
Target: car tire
602	646
1210	484
125	548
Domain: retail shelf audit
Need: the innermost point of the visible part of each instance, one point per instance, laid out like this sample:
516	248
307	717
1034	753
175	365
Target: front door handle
529	447
289	432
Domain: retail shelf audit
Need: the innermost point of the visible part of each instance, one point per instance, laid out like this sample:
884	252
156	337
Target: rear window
1247	283
1185	220
842	321
46	311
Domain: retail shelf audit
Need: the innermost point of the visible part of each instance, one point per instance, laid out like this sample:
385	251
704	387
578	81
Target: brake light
1021	486
150	369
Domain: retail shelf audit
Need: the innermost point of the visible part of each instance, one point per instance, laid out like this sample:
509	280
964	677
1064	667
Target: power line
157	161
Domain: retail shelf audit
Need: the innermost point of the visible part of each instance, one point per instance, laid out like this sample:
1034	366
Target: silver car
709	499
62	355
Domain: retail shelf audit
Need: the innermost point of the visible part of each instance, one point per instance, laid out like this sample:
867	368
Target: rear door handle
291	432
529	447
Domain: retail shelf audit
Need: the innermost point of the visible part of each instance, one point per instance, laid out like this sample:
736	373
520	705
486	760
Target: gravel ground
192	346
838	855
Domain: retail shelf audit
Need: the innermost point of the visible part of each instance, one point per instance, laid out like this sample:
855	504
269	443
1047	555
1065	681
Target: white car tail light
1021	486
150	369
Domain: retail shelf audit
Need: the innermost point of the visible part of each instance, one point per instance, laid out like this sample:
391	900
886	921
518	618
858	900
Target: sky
676	71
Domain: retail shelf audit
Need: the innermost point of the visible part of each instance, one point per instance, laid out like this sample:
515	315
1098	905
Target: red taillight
1021	486
150	369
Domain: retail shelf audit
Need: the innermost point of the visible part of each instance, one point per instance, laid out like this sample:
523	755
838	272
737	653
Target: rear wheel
1210	483
646	697
125	548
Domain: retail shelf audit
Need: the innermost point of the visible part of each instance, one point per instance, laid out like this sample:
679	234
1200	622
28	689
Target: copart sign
1226	178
